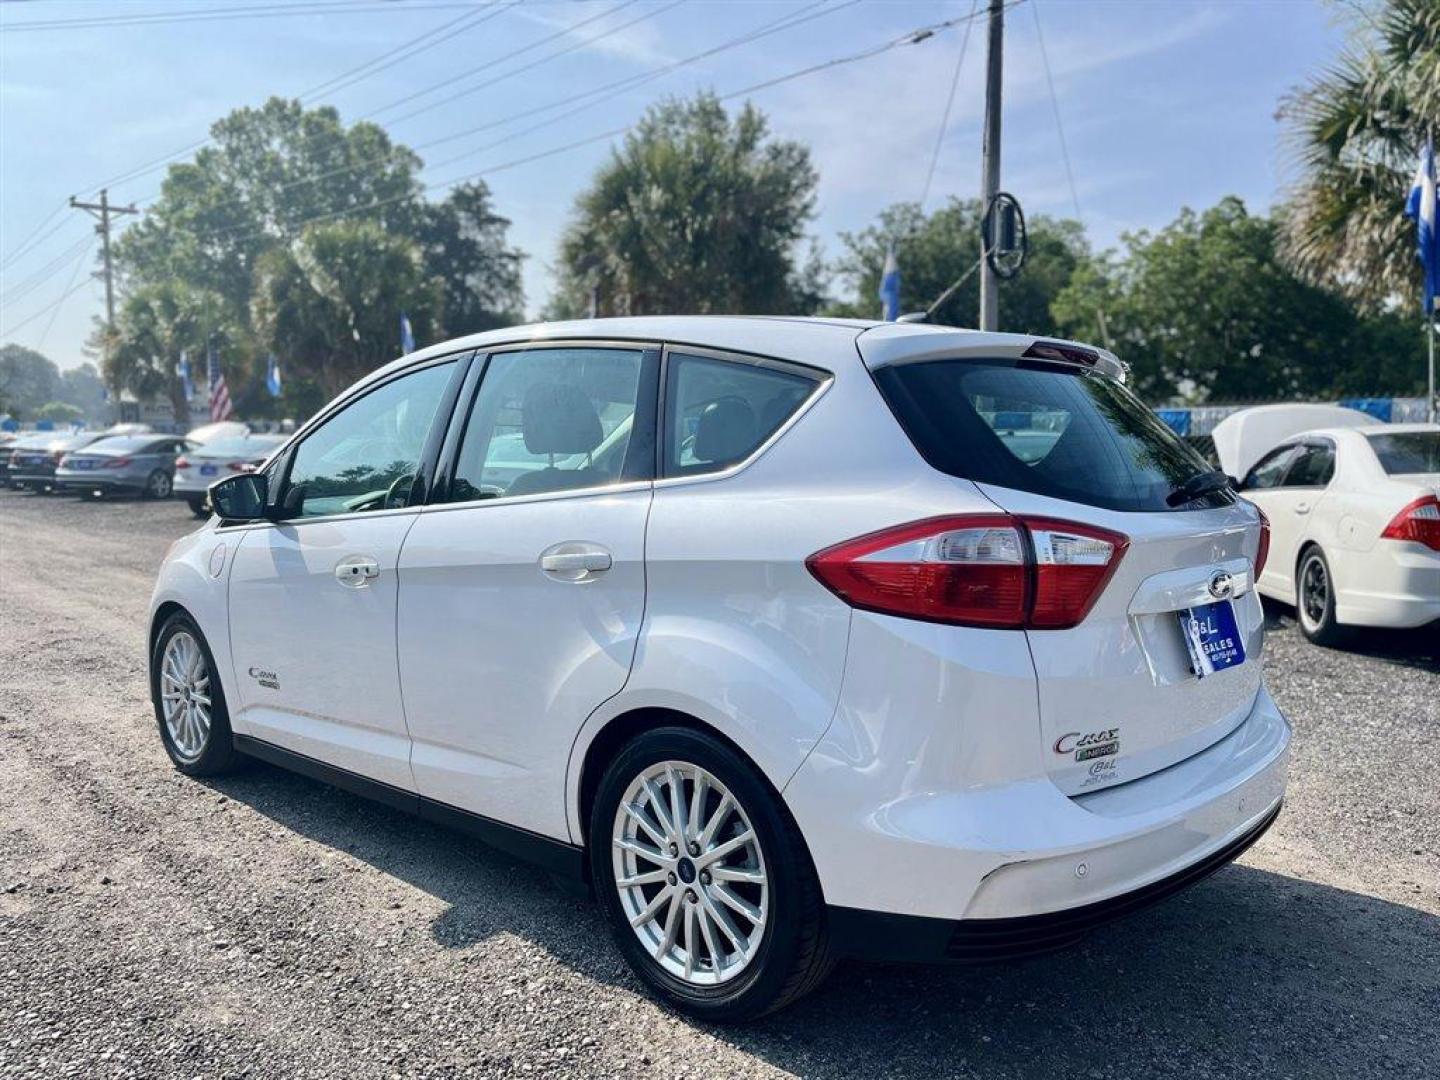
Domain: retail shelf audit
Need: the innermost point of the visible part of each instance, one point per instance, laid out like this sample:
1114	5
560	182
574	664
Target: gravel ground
266	925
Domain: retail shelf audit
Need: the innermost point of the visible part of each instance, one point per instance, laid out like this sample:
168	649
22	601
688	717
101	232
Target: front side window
1405	452
366	456
1066	434
1270	470
1314	468
549	420
718	412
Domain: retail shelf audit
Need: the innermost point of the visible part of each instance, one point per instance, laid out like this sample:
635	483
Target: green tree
1204	309
696	213
81	386
935	250
464	244
27	381
268	172
155	324
60	412
1356	130
329	304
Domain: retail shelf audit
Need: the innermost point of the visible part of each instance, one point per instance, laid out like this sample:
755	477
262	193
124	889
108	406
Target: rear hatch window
1048	429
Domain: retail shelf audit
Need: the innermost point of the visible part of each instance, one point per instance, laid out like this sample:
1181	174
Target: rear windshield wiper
1203	483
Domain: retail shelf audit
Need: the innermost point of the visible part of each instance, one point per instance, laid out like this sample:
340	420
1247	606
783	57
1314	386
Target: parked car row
128	462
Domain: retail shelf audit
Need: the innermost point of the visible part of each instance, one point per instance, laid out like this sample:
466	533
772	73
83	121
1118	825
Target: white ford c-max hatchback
794	638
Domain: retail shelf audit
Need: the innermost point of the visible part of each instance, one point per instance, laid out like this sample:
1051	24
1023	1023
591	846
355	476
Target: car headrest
557	418
725	430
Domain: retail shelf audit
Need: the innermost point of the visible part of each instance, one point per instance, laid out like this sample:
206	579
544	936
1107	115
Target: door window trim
281	462
647	401
663	478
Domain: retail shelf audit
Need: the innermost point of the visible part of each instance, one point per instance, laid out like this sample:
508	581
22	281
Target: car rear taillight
182	463
1263	552
992	570
242	466
1419	523
114	463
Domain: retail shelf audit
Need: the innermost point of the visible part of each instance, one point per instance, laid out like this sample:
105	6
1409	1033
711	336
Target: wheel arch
607	742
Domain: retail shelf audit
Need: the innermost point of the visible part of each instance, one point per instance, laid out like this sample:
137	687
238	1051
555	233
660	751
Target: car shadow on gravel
1249	973
1418	648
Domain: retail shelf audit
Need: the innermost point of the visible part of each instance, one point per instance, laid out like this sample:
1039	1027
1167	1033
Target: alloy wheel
185	695
159	485
690	873
1314	590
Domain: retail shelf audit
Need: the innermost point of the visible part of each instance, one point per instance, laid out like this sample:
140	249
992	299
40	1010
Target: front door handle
357	571
573	561
1302	508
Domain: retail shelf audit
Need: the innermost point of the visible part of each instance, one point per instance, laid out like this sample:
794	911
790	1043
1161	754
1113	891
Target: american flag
220	407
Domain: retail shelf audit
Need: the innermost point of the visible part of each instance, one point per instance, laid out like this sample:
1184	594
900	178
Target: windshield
1405	452
1051	430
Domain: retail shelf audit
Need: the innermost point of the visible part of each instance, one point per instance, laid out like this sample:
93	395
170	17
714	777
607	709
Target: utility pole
990	162
103	210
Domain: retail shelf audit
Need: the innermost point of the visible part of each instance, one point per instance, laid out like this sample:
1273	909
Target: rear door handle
575	561
357	571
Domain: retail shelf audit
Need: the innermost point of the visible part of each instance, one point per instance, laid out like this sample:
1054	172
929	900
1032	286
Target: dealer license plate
1212	637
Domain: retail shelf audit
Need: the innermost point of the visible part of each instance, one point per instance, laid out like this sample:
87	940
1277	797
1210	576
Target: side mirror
240	498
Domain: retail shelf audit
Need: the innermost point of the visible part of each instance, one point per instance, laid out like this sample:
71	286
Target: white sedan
1355	526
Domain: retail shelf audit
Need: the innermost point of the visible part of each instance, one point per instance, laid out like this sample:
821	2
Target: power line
10	330
341	170
55	308
267	11
21	247
45	273
23	251
614	89
914	37
156	163
525	67
949	104
1055	105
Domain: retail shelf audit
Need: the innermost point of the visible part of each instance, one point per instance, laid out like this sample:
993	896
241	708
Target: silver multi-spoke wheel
690	873
185	695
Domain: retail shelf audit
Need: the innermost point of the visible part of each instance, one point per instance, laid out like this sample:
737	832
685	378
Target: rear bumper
1396	585
107	484
1024	848
871	935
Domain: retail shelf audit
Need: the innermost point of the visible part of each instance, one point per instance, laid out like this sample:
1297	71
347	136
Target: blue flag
272	376
407	336
183	370
890	286
1421	207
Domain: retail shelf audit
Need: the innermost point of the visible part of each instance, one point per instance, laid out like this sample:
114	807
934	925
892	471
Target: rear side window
719	412
1314	469
1054	431
1408	452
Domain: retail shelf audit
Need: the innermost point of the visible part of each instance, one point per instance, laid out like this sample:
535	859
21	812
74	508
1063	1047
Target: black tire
197	507
157	485
218	754
1315	599
794	953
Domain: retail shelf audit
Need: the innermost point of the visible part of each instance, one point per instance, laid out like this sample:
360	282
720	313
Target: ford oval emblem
1222	585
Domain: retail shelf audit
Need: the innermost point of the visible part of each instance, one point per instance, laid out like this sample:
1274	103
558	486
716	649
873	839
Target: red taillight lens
242	466
991	570
1419	523
1263	552
114	463
1072	565
182	463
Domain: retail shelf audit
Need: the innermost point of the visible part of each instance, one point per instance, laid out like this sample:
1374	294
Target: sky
1163	104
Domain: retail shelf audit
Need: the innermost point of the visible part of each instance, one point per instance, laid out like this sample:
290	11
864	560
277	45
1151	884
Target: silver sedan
123	464
201	466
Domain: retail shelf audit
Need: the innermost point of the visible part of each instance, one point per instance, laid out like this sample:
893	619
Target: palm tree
1356	130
